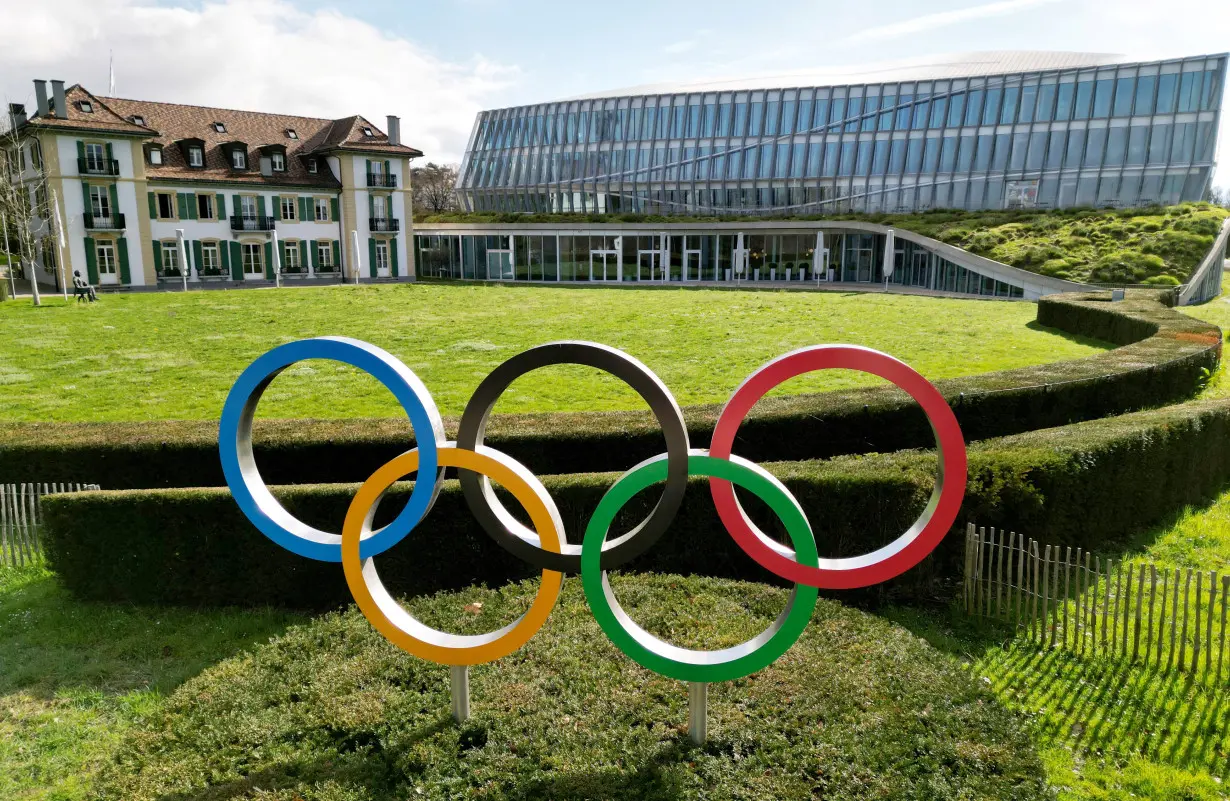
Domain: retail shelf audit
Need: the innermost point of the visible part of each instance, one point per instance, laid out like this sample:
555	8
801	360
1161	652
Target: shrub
1163	361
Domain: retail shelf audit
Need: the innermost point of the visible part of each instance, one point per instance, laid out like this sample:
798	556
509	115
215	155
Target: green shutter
224	253
337	255
183	205
220	207
193	213
85	196
393	257
369	171
91	261
153	206
260	206
236	262
121	247
333	209
305	209
269	260
303	254
387	170
197	255
110	155
371	205
157	257
314	252
80	149
277	207
114	193
371	256
236	206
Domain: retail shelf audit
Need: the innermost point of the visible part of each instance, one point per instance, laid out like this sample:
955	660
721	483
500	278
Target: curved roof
952	65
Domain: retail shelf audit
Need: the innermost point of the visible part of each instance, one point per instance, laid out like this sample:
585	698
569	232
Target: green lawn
174	356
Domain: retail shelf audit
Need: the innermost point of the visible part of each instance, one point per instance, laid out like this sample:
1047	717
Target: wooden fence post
1140	596
1046	596
1152	599
1187	586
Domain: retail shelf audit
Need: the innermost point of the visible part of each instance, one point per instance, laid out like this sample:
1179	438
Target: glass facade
1119	135
724	254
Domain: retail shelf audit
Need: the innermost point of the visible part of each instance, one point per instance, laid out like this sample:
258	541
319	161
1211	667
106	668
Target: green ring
681	663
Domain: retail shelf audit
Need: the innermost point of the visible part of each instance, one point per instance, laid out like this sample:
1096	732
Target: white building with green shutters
250	193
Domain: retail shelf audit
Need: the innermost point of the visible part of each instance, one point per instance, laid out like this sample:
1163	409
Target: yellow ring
391	619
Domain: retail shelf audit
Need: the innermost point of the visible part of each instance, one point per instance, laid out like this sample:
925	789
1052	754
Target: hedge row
1086	484
1163	358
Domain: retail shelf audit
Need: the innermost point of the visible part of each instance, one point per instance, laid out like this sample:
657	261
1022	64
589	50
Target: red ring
907	550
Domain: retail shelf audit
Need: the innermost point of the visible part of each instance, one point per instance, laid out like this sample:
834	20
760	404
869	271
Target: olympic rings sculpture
545	543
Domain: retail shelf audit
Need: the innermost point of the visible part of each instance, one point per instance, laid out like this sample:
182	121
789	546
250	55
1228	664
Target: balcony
244	223
382	179
88	166
112	222
383	224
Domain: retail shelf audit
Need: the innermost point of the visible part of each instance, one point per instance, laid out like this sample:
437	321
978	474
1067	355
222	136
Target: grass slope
174	356
1159	245
857	709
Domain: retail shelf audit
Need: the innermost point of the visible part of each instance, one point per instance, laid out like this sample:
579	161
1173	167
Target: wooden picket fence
1170	618
21	520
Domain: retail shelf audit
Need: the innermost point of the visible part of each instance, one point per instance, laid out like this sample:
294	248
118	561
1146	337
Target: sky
436	64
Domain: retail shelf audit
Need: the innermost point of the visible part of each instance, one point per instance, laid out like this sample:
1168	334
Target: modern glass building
971	131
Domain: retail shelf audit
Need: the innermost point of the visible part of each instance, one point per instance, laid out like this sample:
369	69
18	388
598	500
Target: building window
279	162
380	207
252	259
95	157
247	207
367	131
219	127
324	254
105	252
100	202
312	166
155	156
239	159
288	208
36	158
211	264
382	255
170	257
196	156
322	209
86	106
137	119
205	207
290	134
290	257
166	206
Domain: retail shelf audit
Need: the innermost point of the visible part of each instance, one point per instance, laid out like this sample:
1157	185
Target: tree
1220	196
24	204
434	187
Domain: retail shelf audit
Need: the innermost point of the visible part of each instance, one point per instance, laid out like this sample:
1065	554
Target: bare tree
1220	196
434	187
24	200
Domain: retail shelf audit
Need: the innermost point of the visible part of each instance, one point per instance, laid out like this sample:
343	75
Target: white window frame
322	206
290	256
209	199
196	156
312	166
278	161
158	196
239	159
100	202
86	107
211	257
293	206
380	207
249	247
219	127
170	255
244	201
382	246
93	162
324	255
155	156
104	257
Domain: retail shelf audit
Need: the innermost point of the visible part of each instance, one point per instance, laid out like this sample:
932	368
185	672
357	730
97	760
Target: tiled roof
170	124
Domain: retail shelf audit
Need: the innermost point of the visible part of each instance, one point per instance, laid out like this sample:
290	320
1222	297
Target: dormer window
367	131
137	119
196	156
220	127
239	159
278	161
86	106
312	166
155	156
290	134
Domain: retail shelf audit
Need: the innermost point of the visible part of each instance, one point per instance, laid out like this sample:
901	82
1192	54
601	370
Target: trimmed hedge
1085	484
1164	357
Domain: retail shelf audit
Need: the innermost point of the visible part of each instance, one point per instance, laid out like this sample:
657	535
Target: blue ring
235	431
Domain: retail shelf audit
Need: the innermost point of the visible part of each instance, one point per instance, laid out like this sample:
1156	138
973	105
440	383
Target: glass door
691	265
647	264
499	264
605	265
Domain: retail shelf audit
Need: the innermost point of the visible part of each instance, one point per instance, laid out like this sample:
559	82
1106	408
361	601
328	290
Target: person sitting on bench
81	289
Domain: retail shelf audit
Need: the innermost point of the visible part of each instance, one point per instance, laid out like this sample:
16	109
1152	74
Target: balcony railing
382	179
241	222
88	166
111	222
383	224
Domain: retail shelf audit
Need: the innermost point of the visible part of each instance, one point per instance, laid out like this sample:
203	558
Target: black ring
521	541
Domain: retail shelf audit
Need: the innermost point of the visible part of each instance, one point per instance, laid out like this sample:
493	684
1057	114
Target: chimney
57	95
17	116
40	94
394	130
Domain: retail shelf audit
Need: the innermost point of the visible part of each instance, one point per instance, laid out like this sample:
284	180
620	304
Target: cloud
680	47
264	55
942	19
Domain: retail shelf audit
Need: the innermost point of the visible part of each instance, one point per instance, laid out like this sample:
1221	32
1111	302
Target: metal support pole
698	708
459	690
